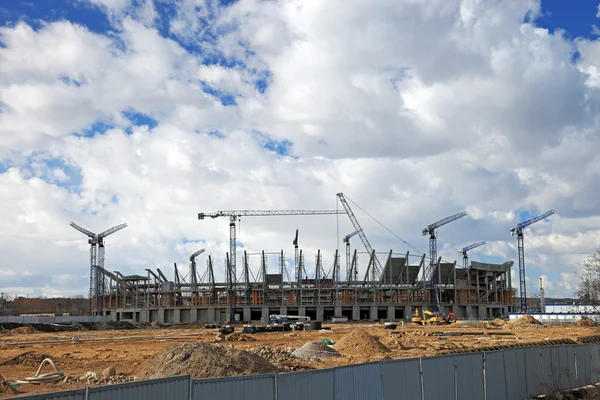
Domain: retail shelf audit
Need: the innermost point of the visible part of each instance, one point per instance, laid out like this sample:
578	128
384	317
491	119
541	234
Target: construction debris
273	354
315	350
204	360
28	358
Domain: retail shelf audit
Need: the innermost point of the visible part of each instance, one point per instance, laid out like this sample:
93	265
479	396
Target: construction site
357	285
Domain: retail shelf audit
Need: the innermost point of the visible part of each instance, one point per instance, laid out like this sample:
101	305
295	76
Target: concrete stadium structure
481	291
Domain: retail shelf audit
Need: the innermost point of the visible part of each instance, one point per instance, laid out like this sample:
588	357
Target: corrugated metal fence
507	374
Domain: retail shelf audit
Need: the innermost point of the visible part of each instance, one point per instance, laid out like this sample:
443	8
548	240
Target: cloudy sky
150	111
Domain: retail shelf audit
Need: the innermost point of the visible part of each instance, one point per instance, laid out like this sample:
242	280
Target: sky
150	111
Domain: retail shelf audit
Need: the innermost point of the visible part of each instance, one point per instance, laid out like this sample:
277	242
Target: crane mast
359	231
234	215
518	230
348	266
431	272
466	249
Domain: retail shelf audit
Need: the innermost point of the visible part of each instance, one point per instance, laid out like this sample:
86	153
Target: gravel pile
315	350
273	355
204	360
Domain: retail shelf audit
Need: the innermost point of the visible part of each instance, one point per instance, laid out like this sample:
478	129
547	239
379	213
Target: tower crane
359	231
298	274
97	271
518	230
234	215
432	272
464	250
347	241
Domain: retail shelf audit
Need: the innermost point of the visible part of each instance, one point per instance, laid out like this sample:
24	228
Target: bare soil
128	350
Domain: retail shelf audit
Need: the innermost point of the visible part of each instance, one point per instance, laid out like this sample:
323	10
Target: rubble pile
204	360
273	354
107	377
315	350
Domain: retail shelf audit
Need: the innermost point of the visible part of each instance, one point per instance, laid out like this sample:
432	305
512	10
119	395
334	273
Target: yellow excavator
431	318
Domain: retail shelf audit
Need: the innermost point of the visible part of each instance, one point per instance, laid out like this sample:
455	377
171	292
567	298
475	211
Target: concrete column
391	314
337	310
210	315
482	312
302	311
319	313
373	313
193	314
355	313
247	314
176	315
407	311
161	316
283	310
455	310
144	316
264	315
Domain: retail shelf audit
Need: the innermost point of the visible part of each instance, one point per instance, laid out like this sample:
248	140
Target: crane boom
196	254
533	220
464	250
349	236
266	213
360	233
518	230
112	230
442	222
82	230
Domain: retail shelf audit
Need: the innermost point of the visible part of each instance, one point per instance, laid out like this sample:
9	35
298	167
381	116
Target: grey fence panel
534	371
583	354
568	379
401	379
514	370
495	378
177	388
595	361
570	360
438	377
469	376
360	382
77	394
316	385
238	388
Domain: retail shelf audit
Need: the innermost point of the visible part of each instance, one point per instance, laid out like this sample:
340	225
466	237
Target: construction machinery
97	271
432	273
463	252
351	273
518	230
432	318
374	267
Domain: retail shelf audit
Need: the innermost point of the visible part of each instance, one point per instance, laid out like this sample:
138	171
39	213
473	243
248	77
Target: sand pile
527	320
583	323
204	360
23	330
315	349
239	337
360	342
29	358
498	322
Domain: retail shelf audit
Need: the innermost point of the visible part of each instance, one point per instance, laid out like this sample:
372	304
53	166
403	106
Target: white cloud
416	111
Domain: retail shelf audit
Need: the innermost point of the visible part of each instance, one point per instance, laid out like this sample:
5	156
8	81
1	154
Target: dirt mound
204	360
116	325
273	354
30	358
360	342
583	323
315	349
498	322
23	330
527	320
239	337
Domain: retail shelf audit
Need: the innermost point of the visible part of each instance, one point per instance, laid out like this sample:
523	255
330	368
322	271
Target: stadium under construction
389	290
